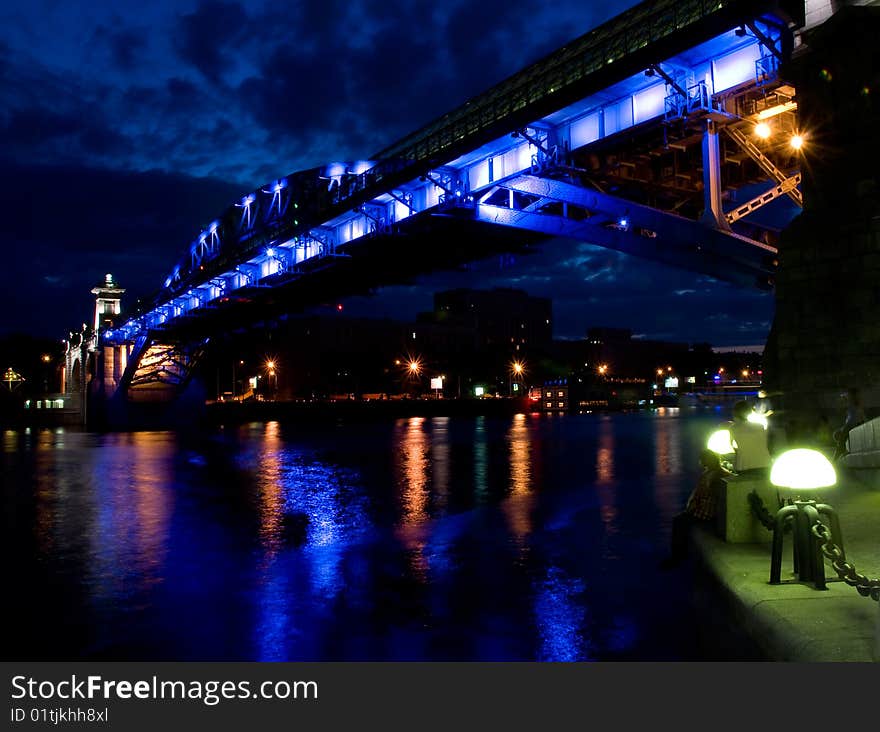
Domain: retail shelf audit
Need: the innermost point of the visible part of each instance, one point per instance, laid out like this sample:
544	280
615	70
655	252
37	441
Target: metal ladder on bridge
785	184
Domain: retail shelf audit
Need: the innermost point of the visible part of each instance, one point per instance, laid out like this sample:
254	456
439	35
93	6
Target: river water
444	538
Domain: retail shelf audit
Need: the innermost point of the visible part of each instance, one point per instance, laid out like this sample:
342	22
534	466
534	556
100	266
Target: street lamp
517	369
412	373
270	371
803	470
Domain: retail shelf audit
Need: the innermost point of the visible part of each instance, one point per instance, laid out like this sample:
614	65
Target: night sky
127	127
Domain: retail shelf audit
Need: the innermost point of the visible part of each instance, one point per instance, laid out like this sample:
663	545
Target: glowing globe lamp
719	442
803	469
757	418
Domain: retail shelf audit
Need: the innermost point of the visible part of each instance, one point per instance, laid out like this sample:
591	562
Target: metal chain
760	511
846	571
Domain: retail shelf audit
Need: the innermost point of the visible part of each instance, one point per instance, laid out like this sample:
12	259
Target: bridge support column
713	214
826	332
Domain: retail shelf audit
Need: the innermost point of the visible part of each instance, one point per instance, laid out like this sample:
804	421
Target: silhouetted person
700	508
855	415
749	441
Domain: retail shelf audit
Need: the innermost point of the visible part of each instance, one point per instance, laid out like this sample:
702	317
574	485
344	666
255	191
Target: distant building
502	318
625	356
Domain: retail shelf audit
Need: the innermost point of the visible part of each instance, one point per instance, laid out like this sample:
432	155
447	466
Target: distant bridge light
270	252
797	142
623	222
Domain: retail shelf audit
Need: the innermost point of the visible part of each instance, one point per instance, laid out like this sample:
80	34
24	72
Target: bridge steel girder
156	371
757	202
764	163
634	229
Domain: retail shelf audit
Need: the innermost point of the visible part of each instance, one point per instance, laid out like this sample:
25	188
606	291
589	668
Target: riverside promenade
793	621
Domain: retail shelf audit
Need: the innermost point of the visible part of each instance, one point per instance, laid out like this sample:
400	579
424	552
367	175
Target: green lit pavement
795	622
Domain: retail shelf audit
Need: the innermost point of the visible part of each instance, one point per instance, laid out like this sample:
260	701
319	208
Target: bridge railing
631	31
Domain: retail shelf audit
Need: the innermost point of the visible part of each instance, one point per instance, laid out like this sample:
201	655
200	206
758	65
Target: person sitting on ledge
749	442
700	508
855	415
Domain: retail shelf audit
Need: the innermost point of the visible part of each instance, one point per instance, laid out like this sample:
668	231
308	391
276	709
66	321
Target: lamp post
517	369
414	371
273	379
234	378
802	470
46	359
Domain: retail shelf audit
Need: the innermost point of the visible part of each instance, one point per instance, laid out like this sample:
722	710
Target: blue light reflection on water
439	538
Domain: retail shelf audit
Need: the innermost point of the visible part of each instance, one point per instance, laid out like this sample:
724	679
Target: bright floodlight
757	418
803	469
719	442
797	142
762	130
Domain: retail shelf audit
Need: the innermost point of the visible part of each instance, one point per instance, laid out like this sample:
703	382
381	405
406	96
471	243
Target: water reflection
440	462
443	537
412	478
128	511
481	459
667	462
606	489
270	488
605	451
560	613
520	503
411	468
10	441
667	443
311	514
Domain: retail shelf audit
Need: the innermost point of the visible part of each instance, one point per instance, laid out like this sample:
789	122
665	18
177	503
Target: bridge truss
638	136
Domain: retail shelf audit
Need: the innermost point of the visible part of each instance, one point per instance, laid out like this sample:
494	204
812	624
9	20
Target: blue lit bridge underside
637	136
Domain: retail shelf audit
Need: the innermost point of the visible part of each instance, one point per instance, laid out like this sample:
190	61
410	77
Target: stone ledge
789	622
735	522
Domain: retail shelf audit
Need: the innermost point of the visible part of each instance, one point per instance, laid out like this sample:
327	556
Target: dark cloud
36	126
206	38
126	46
71	225
298	94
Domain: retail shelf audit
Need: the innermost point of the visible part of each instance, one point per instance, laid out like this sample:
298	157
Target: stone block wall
826	332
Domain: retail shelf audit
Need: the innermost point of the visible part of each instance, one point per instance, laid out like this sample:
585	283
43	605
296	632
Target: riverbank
793	621
356	410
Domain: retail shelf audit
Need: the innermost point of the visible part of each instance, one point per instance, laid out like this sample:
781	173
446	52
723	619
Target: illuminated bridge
662	134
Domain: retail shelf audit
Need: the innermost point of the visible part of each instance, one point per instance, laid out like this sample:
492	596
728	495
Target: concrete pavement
793	621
